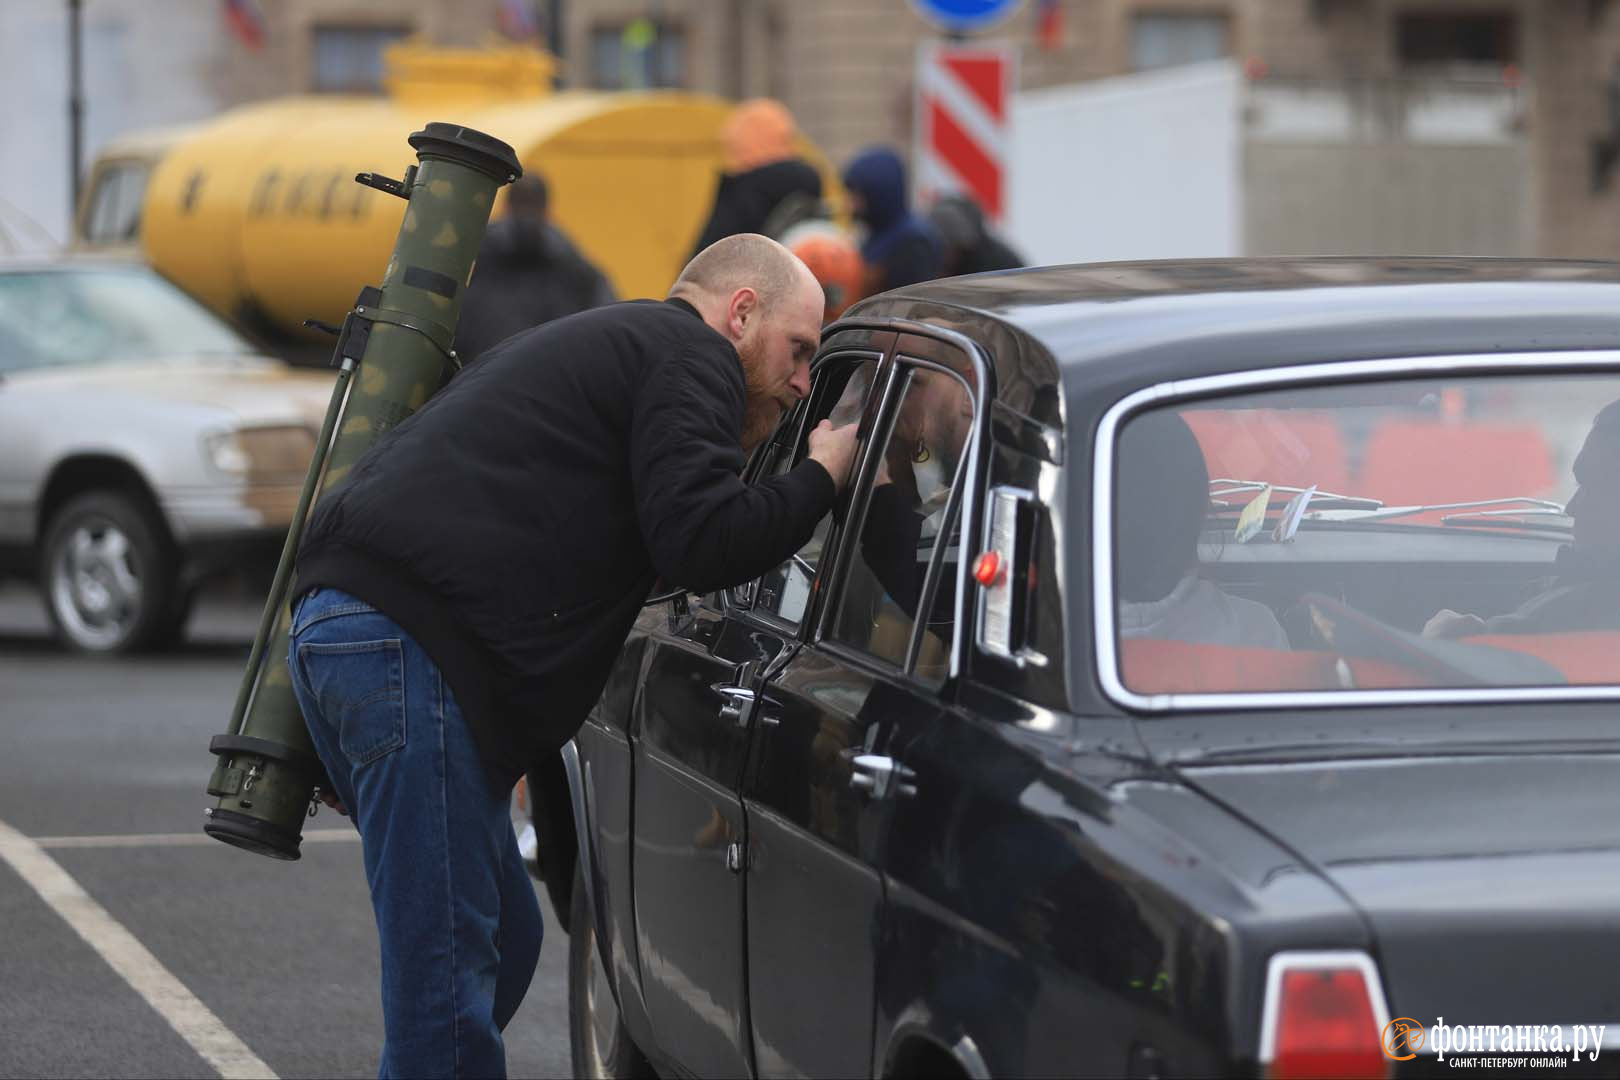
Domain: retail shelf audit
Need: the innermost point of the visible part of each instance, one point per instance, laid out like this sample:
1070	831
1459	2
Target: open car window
911	525
1441	533
841	392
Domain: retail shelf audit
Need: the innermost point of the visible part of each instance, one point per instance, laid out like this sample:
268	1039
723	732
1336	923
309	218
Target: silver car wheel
95	585
603	1013
600	1045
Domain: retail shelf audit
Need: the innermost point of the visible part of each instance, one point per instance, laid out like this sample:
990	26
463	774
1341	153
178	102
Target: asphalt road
103	764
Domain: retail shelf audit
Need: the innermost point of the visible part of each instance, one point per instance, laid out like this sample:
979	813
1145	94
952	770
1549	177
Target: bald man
464	591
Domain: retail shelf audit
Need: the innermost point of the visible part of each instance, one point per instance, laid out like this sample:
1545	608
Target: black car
1212	671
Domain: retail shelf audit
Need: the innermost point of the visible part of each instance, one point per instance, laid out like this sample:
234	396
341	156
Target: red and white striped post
963	106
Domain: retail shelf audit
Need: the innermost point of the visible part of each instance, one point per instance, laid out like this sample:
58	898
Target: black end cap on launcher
468	147
253	834
250	831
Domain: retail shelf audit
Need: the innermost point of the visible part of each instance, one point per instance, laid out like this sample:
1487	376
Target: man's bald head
761	298
744	261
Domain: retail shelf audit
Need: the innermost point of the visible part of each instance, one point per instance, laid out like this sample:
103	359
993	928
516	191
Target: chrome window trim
1022	657
895	388
977	468
796	419
1284	962
932	578
1106	650
828	589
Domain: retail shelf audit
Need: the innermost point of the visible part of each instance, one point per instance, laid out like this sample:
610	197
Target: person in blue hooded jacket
901	248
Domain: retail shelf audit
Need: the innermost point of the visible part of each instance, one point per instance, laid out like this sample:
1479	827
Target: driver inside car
1584	593
1160	503
914	483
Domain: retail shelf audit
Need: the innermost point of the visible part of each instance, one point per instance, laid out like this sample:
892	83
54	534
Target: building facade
846	69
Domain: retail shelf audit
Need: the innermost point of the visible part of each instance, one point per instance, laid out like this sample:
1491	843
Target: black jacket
515	524
990	253
527	273
744	202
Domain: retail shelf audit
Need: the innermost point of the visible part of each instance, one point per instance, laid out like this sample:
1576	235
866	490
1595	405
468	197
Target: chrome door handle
881	777
734	703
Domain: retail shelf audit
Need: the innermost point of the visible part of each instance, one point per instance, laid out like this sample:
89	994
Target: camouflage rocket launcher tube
398	339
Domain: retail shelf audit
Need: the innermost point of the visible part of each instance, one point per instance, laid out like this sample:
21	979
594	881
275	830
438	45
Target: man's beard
761	412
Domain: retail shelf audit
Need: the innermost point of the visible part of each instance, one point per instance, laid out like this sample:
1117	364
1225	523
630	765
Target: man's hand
1446	623
331	800
834	449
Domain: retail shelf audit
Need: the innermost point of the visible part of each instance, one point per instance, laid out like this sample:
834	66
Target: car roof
1107	328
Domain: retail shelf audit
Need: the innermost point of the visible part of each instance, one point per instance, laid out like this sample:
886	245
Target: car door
827	769
687	764
701	674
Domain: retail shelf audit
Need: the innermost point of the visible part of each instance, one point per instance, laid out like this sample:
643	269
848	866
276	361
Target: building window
1463	38
639	55
1168	39
349	59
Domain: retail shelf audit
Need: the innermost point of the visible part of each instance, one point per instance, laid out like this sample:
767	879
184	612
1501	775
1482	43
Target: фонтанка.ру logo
1487	1044
1403	1038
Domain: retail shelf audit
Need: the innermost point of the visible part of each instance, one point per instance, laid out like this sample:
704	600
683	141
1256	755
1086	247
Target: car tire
600	1045
109	576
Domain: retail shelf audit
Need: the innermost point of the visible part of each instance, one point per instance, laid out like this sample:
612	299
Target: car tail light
1324	1017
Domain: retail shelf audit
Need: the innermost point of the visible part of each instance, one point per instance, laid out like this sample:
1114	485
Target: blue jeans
456	913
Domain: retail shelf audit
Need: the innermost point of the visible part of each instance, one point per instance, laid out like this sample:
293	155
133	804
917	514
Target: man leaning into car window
464	590
1161	501
1584	593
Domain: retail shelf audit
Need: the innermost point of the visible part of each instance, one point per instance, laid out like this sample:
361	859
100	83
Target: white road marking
177	839
190	1018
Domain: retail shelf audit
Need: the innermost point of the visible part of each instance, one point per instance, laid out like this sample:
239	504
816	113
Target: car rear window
1454	532
65	318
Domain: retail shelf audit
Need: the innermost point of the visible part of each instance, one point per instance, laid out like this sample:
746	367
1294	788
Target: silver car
144	448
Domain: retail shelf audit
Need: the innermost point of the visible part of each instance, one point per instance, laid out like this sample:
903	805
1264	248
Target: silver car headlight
263	455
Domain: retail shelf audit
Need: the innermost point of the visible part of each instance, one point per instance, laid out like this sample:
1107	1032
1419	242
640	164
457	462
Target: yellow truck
257	214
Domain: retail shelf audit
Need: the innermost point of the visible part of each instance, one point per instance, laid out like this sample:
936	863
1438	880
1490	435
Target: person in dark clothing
1584	591
1163	485
463	591
528	272
766	186
900	248
970	247
914	480
748	201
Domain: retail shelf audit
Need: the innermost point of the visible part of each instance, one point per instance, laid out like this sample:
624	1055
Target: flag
517	20
246	21
1049	24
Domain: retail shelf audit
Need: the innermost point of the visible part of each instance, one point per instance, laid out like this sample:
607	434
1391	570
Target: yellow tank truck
257	214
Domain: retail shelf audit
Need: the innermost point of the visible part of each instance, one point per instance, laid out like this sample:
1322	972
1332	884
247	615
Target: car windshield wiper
1512	507
1510	516
1327	507
1226	486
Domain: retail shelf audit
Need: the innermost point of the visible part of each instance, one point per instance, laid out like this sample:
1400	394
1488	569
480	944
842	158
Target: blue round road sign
965	16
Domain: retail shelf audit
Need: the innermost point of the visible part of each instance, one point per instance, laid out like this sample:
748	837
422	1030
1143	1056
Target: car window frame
748	610
899	384
1105	645
966	500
